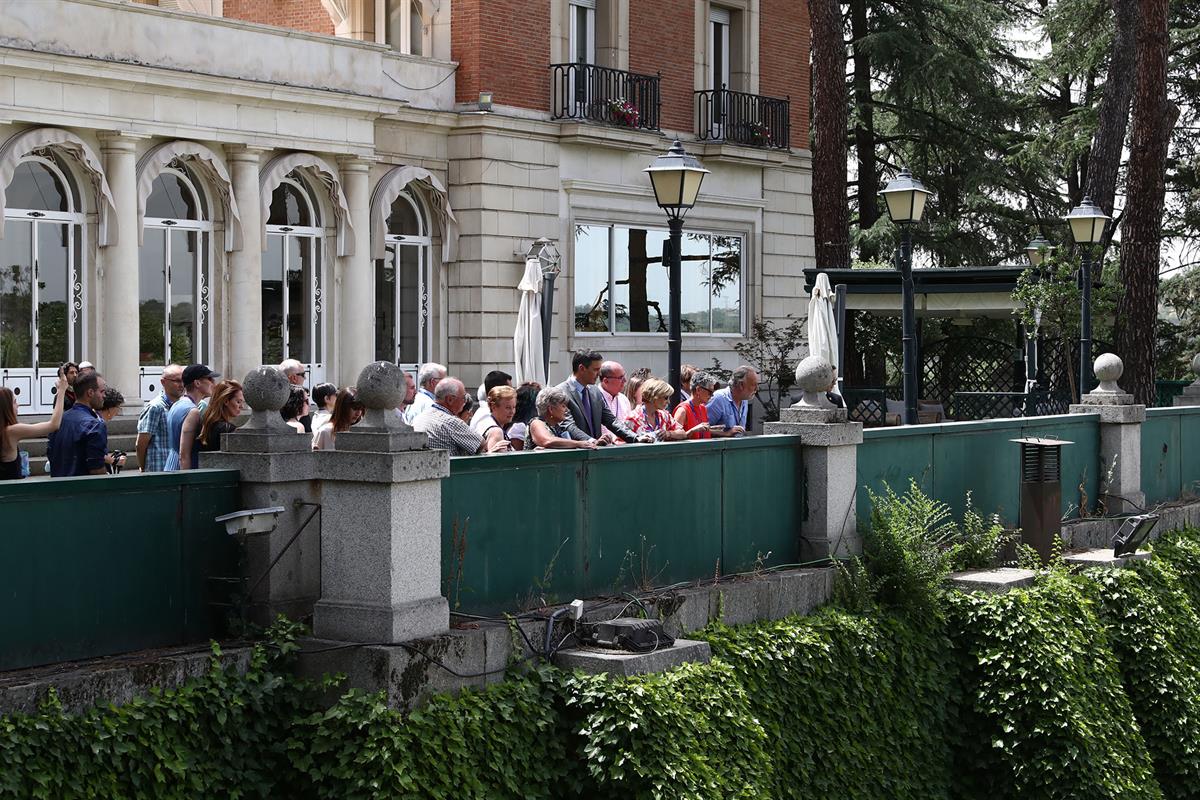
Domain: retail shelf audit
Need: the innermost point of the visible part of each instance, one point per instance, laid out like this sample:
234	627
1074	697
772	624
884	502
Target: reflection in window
621	282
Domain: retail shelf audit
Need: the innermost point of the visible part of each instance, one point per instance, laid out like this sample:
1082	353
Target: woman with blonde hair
502	407
225	405
12	432
651	415
347	411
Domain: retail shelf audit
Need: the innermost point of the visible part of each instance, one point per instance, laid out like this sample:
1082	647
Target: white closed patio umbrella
822	322
527	338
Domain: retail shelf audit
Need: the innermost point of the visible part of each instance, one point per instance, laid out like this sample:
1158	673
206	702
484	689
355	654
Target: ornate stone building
241	181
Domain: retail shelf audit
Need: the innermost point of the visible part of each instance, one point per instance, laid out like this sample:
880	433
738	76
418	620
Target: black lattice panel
966	364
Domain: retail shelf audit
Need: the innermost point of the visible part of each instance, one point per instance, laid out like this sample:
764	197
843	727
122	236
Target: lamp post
906	196
548	257
1037	251
1087	222
675	178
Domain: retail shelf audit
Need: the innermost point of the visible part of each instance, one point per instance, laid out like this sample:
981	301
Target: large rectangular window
621	281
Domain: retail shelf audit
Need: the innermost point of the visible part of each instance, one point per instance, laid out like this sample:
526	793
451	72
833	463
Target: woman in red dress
692	414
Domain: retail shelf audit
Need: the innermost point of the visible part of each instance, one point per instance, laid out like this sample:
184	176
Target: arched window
292	284
41	279
174	264
401	286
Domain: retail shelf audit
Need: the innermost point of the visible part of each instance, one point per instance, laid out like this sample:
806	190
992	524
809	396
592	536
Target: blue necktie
587	410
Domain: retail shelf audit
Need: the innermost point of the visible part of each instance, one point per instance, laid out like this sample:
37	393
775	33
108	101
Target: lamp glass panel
899	205
667	187
691	187
1081	230
918	205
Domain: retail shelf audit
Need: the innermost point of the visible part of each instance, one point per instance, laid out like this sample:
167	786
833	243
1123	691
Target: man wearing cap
198	382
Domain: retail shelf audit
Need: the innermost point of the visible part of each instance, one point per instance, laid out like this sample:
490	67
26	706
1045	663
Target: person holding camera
114	460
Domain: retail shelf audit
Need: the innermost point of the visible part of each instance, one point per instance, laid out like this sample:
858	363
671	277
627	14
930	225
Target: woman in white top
324	395
502	405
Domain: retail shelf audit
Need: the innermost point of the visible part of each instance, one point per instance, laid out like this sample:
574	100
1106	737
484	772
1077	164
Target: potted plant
623	112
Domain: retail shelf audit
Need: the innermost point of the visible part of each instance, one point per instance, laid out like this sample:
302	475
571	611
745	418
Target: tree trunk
864	129
1104	160
1154	116
831	216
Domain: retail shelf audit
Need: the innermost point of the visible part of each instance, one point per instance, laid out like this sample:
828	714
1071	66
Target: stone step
121	425
37	464
125	442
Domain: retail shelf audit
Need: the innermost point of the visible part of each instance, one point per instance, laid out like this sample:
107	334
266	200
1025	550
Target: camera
115	467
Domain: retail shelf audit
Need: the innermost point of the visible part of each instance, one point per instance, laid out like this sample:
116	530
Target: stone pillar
278	468
117	356
356	290
829	452
243	298
1121	419
1191	394
382	521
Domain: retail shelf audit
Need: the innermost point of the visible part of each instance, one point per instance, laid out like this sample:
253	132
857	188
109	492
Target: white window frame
383	16
315	234
38	382
611	227
203	265
423	242
589	43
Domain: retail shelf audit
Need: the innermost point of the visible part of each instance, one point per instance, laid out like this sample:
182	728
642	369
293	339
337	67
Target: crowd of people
597	406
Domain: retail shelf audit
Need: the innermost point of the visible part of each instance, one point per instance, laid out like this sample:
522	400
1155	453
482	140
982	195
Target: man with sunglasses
153	434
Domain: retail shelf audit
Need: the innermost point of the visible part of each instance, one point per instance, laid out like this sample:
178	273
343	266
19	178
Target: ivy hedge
1082	686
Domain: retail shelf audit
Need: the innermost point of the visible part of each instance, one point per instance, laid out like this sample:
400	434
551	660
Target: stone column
1121	421
243	298
829	451
117	356
1191	394
381	560
278	468
356	289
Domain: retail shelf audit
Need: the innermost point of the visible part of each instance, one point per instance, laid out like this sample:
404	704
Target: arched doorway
293	278
42	279
174	268
402	285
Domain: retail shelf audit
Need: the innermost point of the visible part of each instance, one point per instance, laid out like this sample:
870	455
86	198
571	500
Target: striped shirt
447	432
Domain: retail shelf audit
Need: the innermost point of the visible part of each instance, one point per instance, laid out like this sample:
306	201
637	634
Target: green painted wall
101	565
949	460
1171	453
558	525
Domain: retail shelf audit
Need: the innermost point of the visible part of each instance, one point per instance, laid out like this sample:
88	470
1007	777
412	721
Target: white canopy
822	323
527	339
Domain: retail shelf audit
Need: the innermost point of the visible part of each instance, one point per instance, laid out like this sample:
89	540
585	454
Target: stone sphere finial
1196	366
814	375
381	389
1108	368
266	389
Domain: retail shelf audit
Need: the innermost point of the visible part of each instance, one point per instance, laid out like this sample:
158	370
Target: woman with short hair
324	395
295	408
502	406
551	429
651	415
347	411
692	413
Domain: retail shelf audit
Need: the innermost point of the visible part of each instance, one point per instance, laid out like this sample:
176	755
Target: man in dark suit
586	405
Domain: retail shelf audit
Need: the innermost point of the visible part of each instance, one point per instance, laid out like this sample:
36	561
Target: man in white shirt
612	387
427	380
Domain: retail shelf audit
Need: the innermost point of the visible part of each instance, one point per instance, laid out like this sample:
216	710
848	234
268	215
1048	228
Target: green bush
1155	634
1181	549
1044	714
853	706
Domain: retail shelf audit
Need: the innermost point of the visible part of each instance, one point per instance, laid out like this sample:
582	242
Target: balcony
724	115
609	96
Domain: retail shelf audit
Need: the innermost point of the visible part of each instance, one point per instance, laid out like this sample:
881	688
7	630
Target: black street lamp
675	178
548	258
1037	251
1087	222
906	196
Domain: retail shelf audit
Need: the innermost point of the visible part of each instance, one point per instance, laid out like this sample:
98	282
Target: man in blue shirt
198	382
79	445
153	434
730	406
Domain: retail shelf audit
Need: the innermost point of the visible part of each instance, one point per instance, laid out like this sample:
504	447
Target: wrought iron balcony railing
740	118
600	94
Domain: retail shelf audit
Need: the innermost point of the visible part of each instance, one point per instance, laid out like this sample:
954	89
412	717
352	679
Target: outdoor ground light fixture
549	260
253	520
905	197
485	101
1087	223
675	177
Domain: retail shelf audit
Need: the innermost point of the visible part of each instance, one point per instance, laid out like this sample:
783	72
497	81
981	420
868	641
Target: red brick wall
299	15
502	46
784	59
670	51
